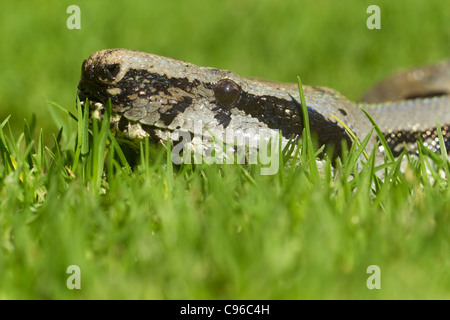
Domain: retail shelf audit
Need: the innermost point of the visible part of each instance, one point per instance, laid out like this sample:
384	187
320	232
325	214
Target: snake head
151	95
154	96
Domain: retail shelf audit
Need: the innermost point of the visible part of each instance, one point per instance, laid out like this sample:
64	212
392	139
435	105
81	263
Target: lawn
159	231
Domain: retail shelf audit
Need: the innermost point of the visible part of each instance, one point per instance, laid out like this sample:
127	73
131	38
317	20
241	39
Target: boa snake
153	96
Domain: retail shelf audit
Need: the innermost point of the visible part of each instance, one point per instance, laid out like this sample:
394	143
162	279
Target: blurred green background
326	42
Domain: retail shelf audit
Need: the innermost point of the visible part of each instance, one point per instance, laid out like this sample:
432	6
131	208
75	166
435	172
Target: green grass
219	231
159	231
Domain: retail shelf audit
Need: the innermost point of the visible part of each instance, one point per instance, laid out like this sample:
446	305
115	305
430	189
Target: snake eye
108	72
227	92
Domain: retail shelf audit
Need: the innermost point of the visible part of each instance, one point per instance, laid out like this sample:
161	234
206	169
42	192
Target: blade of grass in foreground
54	104
308	153
383	141
28	141
443	150
79	137
99	147
354	137
40	159
118	150
4	151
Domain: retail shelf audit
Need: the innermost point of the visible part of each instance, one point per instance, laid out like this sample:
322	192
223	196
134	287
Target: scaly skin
153	96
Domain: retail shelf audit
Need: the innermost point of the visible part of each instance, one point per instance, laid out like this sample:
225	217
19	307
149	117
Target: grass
68	196
214	231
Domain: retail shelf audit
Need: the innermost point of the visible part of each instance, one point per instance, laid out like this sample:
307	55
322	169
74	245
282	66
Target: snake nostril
108	72
113	69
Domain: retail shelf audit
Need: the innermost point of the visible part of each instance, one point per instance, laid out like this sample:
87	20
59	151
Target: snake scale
153	96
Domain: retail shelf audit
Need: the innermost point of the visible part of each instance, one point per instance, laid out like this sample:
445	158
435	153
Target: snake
154	96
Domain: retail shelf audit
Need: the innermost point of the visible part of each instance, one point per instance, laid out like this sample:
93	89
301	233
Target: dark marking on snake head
275	112
222	116
285	115
169	115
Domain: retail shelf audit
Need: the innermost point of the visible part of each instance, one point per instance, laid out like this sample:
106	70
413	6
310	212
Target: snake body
153	96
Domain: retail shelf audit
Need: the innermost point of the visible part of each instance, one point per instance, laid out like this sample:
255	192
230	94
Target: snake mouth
131	133
90	93
92	89
96	106
84	97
